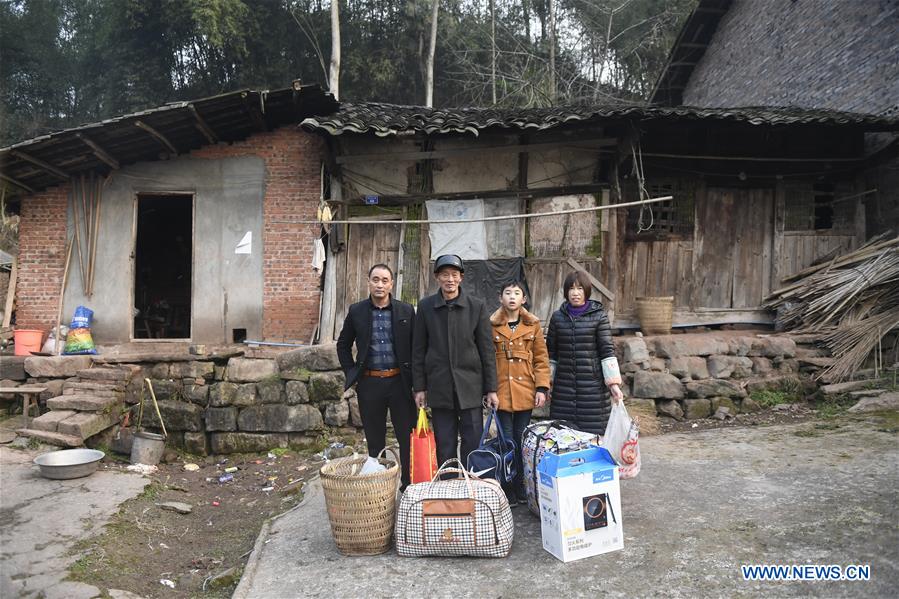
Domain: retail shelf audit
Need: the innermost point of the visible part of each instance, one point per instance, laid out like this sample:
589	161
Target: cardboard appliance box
580	504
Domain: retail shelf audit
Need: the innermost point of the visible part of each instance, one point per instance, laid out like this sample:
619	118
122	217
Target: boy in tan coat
522	369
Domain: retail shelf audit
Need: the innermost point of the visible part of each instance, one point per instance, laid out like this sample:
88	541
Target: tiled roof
391	119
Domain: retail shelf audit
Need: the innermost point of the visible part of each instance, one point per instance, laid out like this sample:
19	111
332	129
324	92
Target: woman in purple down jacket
582	358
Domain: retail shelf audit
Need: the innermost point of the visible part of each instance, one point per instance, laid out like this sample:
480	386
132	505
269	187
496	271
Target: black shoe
513	501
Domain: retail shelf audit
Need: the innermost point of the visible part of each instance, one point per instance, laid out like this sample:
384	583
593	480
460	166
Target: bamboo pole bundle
853	299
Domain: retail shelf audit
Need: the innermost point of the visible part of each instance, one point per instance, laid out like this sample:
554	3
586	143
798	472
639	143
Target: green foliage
66	62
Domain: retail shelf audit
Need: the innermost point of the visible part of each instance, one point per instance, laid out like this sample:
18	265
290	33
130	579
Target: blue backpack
494	458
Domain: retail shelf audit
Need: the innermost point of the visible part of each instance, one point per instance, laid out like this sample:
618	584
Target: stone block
50	421
246	442
326	386
13	368
749	405
630	367
693	367
657	385
714	388
222	394
55	367
296	392
788	366
633	349
165	389
674	346
723	367
247	370
196	443
670	408
193	370
643	405
177	415
658	364
54	388
337	413
740	346
219	372
778	346
9	383
87	424
696	408
105	373
761	365
198	394
82	403
245	395
723	402
280	418
271	391
312	358
221	419
163	370
882	403
355	414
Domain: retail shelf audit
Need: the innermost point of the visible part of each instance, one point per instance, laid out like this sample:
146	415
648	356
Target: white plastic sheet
468	240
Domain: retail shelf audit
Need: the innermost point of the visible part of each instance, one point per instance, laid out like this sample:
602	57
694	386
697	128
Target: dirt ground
145	545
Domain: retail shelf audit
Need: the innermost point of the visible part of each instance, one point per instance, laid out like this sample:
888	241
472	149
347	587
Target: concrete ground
705	504
42	519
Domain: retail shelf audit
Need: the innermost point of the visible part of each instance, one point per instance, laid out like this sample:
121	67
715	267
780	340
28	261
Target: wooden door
366	245
732	249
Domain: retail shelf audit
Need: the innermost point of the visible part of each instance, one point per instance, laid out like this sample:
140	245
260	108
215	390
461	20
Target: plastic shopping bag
423	451
79	339
622	441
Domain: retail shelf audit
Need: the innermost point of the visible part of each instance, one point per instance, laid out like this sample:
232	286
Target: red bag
423	451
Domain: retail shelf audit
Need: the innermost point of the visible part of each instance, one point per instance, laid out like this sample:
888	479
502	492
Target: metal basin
69	463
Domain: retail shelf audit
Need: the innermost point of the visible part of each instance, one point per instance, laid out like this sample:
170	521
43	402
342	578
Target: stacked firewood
852	301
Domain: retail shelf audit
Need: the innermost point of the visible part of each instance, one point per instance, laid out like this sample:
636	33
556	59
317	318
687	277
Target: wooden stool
26	391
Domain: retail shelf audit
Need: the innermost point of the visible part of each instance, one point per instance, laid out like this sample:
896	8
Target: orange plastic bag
423	451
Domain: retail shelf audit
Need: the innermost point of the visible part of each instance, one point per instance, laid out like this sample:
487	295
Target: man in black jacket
453	364
381	328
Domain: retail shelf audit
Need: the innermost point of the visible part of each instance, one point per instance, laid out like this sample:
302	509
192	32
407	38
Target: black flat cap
449	260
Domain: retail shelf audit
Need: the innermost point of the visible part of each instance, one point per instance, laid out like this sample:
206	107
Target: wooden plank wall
655	268
800	250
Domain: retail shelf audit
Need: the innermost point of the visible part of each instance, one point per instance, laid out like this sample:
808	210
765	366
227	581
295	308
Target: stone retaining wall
691	376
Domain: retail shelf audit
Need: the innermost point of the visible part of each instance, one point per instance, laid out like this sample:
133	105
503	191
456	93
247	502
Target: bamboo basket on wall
655	314
361	507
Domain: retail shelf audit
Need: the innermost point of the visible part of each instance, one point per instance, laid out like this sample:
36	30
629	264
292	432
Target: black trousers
450	424
376	397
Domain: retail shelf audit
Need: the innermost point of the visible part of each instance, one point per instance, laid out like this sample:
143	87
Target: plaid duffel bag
462	516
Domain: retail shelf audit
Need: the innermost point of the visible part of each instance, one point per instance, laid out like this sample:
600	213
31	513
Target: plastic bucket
27	341
147	448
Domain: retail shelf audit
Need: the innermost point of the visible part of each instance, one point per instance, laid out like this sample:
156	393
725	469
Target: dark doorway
163	260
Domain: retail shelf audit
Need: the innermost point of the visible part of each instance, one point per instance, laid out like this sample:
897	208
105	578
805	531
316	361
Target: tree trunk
493	50
429	84
552	50
334	77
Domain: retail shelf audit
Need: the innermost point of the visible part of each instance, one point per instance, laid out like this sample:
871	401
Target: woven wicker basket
655	314
361	507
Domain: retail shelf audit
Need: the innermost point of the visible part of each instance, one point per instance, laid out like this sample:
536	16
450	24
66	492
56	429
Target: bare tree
429	83
334	78
552	49
493	50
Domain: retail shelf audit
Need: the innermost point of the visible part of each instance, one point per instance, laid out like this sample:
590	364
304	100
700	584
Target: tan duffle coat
522	361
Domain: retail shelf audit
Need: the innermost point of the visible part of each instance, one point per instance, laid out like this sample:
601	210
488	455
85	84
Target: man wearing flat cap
453	362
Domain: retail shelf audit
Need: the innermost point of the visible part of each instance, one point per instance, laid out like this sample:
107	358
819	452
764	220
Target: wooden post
329	299
10	292
62	295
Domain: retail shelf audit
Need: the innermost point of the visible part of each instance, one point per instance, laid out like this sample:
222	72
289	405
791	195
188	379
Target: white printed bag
622	440
462	516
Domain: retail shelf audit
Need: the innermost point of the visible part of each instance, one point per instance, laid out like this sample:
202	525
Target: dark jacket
453	349
357	328
578	346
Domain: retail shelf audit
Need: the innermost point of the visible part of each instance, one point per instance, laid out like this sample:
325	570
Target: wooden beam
157	135
16	182
593	280
419	155
99	152
41	164
513	194
749	158
682	63
702	317
692	45
523	158
202	125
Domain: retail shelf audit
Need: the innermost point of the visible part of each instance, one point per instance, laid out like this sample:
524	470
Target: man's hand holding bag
423	451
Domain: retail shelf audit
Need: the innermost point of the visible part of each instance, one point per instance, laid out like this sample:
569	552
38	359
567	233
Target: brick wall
42	256
291	288
290	302
837	54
